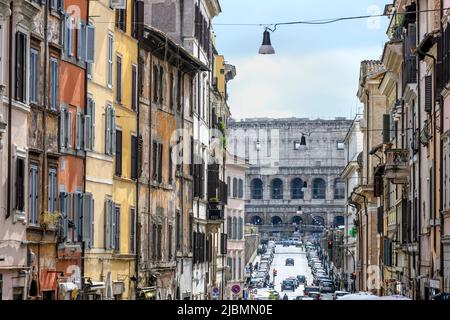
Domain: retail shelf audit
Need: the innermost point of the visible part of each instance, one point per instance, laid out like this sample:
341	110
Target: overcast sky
315	70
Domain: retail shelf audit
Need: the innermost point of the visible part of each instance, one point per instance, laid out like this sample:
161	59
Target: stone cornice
5	11
25	12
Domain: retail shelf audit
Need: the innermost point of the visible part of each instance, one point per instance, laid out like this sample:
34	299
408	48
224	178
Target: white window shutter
113	132
80	40
69	129
63	35
90	43
87	133
108	130
62	133
107	224
91	216
70	31
78	131
93	123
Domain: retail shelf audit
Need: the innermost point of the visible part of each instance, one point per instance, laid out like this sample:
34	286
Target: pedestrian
346	284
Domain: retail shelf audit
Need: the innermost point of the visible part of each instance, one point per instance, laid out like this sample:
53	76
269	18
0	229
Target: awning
94	286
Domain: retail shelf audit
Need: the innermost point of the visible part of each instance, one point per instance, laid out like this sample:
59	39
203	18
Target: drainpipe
149	185
417	106
139	160
441	171
10	93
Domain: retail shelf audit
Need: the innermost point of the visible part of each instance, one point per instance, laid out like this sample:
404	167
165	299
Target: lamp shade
266	47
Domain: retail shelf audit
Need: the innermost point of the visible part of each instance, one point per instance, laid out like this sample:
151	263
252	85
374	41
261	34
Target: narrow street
283	272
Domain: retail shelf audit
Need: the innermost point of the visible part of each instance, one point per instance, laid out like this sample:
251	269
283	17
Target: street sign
236	289
215	292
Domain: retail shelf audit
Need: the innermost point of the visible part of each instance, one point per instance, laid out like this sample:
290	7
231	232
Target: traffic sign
215	292
236	289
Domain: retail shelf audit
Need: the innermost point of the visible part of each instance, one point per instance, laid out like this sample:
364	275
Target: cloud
323	84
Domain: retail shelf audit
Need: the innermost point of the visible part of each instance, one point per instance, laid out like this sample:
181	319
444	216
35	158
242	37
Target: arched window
339	189
229	186
319	189
277	189
256	220
241	189
235	188
297	188
257	189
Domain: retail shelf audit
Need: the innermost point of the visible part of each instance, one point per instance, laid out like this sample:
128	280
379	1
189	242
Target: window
154	240
229	186
155	84
277	189
65	208
241	229
230	227
110	60
134	157
20	185
241	189
171	91
169	241
340	145
110	131
235	188
234	230
34	75
239	268
33	192
161	85
89	125
65	128
121	19
297	189
52	189
339	189
170	165
54	83
119	79
319	189
132	230
134	87
20	68
118	153
160	238
179	230
180	91
157	161
257	189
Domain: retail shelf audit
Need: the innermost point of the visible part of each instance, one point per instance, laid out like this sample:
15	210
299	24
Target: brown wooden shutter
428	94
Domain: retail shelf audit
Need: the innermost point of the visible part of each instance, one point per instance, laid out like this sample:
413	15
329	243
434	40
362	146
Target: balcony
397	165
217	189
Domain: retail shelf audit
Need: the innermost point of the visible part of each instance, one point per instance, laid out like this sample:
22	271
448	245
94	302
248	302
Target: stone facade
275	149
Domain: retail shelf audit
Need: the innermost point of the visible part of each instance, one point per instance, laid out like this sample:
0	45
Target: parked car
326	287
309	289
290	262
339	294
441	296
288	285
256	283
315	295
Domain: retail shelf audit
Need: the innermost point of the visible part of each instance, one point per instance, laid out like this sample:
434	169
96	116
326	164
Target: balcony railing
397	165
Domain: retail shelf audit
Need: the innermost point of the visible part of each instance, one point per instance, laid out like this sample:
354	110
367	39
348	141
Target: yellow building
109	263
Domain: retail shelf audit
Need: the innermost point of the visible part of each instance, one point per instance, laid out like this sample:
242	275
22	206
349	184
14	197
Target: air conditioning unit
118	4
